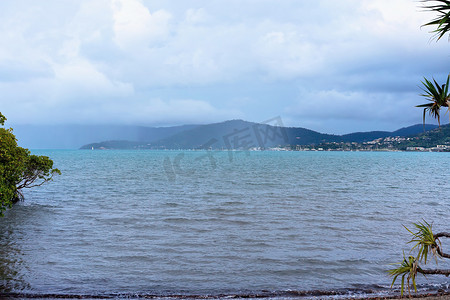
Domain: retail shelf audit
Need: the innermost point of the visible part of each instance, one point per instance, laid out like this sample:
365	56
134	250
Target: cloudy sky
332	66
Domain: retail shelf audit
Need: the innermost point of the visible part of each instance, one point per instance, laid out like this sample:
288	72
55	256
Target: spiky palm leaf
442	7
407	267
424	241
438	97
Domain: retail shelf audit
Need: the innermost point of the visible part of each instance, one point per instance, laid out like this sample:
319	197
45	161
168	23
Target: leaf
437	95
442	21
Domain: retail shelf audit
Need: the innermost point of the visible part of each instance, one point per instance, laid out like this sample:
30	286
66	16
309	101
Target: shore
15	296
443	296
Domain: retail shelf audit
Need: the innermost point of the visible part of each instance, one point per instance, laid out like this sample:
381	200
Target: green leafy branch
407	267
19	169
425	243
437	95
442	21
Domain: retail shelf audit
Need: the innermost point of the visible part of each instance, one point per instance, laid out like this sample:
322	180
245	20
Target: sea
223	224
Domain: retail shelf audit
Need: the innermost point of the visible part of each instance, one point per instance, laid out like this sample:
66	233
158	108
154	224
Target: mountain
360	137
413	130
428	139
239	134
234	134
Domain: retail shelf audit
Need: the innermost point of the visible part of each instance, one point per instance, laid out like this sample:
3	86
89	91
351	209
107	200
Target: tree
438	95
19	169
425	241
442	21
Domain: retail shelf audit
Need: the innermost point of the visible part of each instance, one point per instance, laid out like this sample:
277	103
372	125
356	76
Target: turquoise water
210	222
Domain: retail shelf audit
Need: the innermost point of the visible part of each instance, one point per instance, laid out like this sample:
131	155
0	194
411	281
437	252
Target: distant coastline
242	135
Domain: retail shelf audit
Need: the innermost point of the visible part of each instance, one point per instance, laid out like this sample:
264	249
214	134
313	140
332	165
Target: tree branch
433	271
37	184
442	234
438	249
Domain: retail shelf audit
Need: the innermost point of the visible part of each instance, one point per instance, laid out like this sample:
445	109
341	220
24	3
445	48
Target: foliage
19	169
436	94
438	97
425	243
407	267
438	136
2	119
442	21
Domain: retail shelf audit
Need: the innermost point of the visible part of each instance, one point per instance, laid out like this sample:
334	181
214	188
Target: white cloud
135	28
130	42
356	107
79	77
158	111
101	57
286	54
197	16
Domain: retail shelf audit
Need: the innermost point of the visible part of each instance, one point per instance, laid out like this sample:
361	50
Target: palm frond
442	21
437	95
424	241
407	267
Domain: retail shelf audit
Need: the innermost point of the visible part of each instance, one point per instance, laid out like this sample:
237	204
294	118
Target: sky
327	65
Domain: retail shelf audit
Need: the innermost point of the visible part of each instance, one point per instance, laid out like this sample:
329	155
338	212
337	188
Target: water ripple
270	221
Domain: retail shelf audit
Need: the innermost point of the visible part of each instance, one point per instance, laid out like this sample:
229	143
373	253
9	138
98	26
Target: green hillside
428	139
239	134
